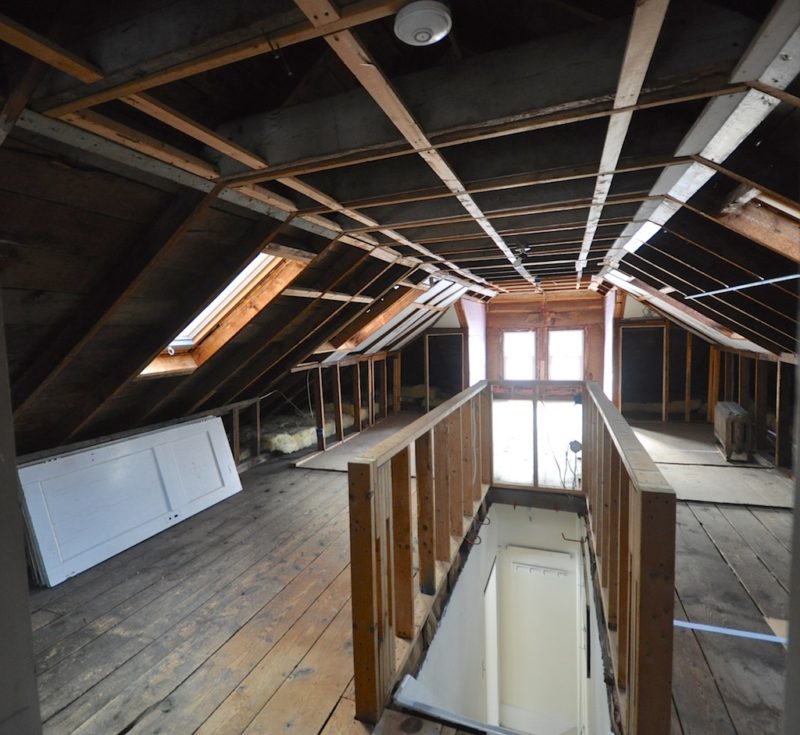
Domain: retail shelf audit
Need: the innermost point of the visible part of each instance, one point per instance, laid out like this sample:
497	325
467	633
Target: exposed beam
358	60
352	337
199	61
648	17
99	125
772	58
150	344
104	301
20	94
310	293
763	225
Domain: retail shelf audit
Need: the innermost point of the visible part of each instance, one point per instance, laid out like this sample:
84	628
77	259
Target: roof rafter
358	60
648	17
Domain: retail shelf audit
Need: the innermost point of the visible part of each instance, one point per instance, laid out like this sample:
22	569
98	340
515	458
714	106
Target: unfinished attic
386	366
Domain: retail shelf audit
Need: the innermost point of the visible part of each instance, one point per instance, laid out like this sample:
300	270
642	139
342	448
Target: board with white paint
85	506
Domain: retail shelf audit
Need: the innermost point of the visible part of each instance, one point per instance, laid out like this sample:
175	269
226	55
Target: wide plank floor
238	620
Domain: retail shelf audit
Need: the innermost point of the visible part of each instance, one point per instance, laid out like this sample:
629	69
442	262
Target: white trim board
86	506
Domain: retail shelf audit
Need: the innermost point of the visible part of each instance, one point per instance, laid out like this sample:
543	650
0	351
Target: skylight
196	329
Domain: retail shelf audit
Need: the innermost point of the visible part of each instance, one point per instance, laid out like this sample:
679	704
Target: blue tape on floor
731	631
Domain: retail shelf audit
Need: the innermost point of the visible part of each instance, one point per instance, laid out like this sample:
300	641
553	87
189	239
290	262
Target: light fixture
423	22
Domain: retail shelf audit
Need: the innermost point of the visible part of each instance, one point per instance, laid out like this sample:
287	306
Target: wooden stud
467	465
687	390
456	470
612	538
370	392
384	388
364	568
357	396
427	370
319	410
784	415
665	376
654	590
338	419
256	440
486	475
475	407
397	384
623	581
236	436
760	422
403	544
442	484
426	533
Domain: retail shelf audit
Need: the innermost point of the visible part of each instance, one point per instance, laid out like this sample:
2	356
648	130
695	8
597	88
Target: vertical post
475	408
19	701
486	435
612	538
713	383
371	391
401	528
423	458
236	435
338	419
466	459
256	446
319	410
364	593
784	415
624	575
427	370
456	474
357	396
665	377
441	461
687	389
760	429
397	384
535	432
729	385
385	388
604	540
651	707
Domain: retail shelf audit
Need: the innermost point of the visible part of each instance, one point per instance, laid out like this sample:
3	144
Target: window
248	277
565	354
519	355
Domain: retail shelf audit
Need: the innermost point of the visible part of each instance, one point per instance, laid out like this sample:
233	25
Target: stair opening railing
631	519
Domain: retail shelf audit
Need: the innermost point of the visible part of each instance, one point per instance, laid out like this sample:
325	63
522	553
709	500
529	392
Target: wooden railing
632	521
452	461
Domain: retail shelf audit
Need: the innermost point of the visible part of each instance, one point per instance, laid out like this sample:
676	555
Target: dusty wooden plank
773	554
777	522
237	680
696	696
343	722
99	607
749	673
306	699
206	632
765	591
337	403
177	626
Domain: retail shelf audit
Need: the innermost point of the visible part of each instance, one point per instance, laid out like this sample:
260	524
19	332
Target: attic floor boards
238	620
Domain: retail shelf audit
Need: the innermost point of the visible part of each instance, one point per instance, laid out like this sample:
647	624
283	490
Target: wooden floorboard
747	673
238	620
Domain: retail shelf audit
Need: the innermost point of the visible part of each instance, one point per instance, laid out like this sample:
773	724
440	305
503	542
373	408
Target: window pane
565	354
519	355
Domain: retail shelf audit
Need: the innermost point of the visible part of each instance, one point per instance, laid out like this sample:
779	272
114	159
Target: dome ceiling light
423	22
